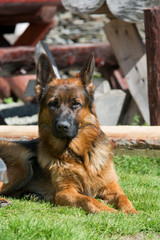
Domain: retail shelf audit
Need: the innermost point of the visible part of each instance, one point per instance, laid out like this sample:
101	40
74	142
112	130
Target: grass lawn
139	178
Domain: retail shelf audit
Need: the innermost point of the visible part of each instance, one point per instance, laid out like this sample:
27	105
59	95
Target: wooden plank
5	90
34	33
18	85
126	140
152	27
119	79
28	132
133	132
12	59
23	7
120	136
130	53
43	15
141	133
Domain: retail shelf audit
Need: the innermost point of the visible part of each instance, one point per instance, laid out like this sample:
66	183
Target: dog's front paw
131	211
4	202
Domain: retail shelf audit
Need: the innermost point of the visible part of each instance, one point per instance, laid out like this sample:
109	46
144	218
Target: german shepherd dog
72	163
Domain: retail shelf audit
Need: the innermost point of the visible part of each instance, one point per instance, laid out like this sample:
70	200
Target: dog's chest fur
87	172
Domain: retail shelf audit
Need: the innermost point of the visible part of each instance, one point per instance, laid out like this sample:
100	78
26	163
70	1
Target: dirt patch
140	236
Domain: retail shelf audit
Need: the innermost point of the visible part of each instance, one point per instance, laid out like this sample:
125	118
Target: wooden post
152	27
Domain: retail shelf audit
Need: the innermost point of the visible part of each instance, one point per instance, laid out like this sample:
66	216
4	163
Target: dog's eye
53	104
76	105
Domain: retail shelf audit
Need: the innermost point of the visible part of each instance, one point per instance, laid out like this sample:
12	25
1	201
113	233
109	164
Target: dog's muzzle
63	127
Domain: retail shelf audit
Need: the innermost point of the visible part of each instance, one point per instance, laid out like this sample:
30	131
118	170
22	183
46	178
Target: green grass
139	178
8	100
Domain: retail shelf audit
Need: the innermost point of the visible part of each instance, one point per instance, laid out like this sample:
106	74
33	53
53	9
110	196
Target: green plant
8	100
136	120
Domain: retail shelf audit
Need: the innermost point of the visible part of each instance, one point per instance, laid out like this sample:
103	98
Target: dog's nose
63	126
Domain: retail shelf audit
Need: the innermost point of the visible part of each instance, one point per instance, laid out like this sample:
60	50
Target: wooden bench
127	45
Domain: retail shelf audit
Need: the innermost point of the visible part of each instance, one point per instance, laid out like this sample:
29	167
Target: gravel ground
73	28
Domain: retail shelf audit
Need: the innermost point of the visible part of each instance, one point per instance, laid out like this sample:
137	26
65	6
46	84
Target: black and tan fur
73	162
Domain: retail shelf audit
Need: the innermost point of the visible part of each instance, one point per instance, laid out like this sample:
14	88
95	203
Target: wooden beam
130	53
118	80
18	85
22	7
126	140
131	136
34	33
152	28
12	59
5	90
26	132
44	15
133	132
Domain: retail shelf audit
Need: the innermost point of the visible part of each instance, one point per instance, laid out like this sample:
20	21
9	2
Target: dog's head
65	104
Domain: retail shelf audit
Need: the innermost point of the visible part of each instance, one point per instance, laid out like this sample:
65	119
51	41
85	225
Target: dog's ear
87	71
45	74
45	71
